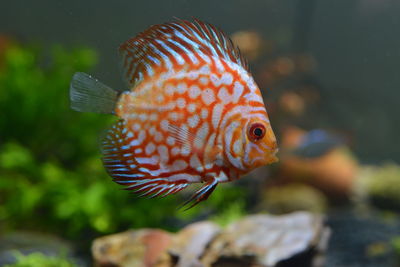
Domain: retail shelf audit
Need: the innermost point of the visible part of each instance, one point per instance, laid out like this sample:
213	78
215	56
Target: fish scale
189	116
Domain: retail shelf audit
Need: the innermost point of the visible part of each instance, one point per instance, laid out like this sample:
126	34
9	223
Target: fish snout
272	148
273	157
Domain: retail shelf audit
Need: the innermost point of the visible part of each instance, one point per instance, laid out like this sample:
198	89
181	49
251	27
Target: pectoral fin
202	194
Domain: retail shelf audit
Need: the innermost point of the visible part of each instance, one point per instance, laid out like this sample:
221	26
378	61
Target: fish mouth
273	157
265	160
272	151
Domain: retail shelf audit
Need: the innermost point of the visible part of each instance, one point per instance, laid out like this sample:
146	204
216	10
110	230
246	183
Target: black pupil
258	132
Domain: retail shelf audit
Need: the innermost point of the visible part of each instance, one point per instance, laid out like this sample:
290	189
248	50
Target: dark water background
355	42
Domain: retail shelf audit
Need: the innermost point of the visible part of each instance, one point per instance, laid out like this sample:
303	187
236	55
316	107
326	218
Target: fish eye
256	131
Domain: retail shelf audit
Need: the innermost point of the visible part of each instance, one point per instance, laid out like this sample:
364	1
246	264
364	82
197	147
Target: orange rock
141	248
334	173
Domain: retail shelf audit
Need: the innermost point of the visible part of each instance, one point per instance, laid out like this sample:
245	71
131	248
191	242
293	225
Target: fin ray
87	94
120	163
177	42
202	194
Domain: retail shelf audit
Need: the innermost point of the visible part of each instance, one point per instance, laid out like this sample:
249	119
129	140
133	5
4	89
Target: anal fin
119	160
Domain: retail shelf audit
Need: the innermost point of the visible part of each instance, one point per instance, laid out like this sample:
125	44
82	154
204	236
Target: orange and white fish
192	114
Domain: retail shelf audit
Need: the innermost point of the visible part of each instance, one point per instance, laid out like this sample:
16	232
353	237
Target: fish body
193	113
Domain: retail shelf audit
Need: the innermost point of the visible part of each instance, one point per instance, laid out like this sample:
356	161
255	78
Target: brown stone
190	243
254	241
140	248
334	172
264	240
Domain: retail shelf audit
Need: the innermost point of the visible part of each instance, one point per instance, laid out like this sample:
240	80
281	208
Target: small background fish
193	112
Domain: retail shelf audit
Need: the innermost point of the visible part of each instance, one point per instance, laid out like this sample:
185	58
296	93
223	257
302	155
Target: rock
332	169
132	248
257	240
263	240
190	243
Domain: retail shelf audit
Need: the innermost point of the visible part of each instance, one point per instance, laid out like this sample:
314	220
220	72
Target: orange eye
256	131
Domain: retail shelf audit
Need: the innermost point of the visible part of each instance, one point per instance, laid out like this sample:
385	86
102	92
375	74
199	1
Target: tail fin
87	94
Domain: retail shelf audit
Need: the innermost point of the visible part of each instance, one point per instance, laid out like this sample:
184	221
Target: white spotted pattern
169	89
195	162
208	96
207	126
193	75
227	78
163	152
160	98
158	137
136	127
181	88
143	116
215	80
175	151
174	116
216	115
153	117
152	131
237	91
193	121
164	125
186	150
194	91
203	80
181	103
150	148
224	95
139	140
170	140
205	70
191	107
179	165
201	135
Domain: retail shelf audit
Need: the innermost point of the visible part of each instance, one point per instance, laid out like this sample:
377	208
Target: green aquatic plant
231	213
38	259
34	95
293	197
381	185
395	242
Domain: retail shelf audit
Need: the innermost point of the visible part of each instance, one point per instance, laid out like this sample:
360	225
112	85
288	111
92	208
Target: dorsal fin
172	43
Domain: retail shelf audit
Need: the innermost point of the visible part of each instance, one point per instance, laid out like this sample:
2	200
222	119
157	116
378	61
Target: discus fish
192	114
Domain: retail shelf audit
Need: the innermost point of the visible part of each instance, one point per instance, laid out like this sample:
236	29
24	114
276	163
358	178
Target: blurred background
328	71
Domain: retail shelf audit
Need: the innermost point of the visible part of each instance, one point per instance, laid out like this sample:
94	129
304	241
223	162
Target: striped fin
175	43
202	194
119	160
